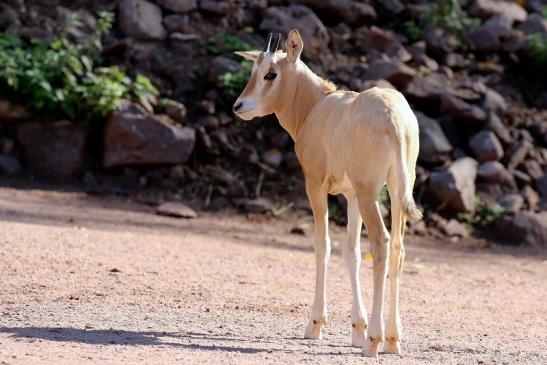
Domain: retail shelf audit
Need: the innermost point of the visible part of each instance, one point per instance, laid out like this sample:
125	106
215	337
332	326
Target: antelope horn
268	43
277	42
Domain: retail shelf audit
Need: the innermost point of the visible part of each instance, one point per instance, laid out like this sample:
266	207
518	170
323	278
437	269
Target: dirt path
85	280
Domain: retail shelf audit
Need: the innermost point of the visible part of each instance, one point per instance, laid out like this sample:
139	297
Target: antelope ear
294	45
248	55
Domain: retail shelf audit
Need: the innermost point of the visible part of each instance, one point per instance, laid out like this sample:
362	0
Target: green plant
234	82
59	75
544	12
484	213
413	30
538	48
384	195
448	15
226	45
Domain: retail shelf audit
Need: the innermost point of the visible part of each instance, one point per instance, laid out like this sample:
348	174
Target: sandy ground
86	280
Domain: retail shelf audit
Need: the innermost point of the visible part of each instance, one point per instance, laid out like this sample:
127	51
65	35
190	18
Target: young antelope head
270	78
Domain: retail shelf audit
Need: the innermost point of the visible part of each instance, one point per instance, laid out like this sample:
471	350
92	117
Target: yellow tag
367	256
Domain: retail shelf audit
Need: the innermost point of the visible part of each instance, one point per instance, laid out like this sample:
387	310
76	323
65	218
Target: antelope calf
352	144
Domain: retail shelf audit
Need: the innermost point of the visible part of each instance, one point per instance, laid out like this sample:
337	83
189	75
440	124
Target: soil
102	280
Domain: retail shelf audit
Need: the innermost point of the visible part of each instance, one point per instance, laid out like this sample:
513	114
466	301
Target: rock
10	113
511	203
533	169
518	153
381	83
485	9
174	109
434	147
141	19
134	137
258	205
178	6
488	37
176	209
184	37
54	151
486	146
375	38
216	7
495	124
176	23
281	19
438	41
273	157
395	72
461	110
454	187
523	228
541	185
9	166
521	178
531	197
393	6
210	122
428	88
493	101
494	172
346	11
454	60
8	16
221	65
533	24
455	228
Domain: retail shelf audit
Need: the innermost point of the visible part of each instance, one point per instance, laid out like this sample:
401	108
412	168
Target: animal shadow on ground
131	338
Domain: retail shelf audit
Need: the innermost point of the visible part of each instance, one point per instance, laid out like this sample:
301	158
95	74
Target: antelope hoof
370	348
358	335
313	330
392	346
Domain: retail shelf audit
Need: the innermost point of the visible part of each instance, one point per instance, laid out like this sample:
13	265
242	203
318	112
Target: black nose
237	106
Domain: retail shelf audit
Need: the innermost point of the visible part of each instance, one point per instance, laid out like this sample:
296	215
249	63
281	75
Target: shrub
484	213
234	82
538	48
60	75
226	45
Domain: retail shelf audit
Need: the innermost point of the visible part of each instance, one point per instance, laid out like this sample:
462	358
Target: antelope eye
270	76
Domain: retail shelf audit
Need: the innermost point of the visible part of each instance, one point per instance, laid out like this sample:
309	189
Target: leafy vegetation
484	213
60	75
225	45
445	14
234	82
538	48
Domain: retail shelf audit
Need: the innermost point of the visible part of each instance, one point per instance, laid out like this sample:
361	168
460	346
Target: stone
523	228
221	65
375	38
134	137
9	166
489	36
258	205
176	23
531	197
10	112
8	16
428	88
395	72
273	157
174	109
518	153
281	19
495	124
141	19
216	7
176	209
54	151
511	203
454	187
455	228
485	9
541	186
381	83
461	110
494	101
178	6
533	169
486	146
346	11
438	41
533	24
494	172
434	146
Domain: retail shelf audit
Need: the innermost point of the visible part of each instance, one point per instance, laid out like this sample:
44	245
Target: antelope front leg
352	256
318	202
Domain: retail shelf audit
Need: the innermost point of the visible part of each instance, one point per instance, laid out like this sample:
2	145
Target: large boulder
393	71
178	6
134	137
488	37
434	146
486	146
281	19
54	151
485	9
348	11
454	187
523	228
141	19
